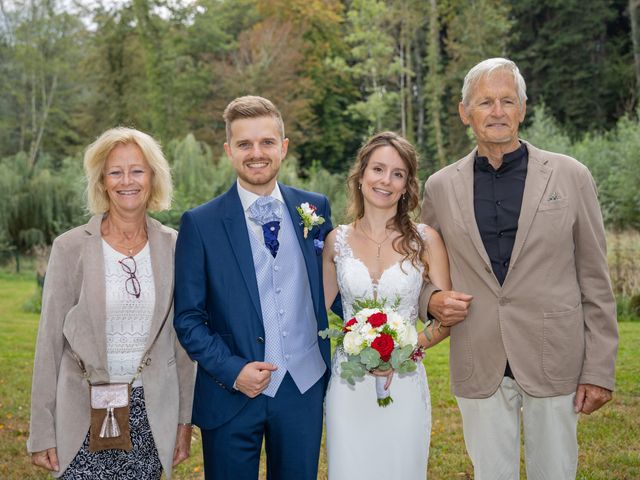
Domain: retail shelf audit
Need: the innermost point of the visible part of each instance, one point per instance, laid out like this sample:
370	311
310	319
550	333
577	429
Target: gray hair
487	67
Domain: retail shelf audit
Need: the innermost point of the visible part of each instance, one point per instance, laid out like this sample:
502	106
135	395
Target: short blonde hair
96	156
251	106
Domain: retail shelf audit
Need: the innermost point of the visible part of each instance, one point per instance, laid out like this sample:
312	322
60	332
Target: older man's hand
449	307
590	398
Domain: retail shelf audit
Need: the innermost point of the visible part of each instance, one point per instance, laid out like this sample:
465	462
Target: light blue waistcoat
290	325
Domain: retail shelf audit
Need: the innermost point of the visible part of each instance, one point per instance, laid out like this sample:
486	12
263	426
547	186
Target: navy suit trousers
291	425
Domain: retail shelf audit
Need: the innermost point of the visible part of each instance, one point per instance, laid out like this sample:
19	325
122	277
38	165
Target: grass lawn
609	439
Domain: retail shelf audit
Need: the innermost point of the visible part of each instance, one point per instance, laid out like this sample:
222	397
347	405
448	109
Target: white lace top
128	317
401	280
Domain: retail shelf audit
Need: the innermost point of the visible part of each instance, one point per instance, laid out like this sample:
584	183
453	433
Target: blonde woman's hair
96	156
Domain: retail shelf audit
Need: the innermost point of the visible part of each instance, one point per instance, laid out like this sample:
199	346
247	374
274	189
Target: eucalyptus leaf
370	357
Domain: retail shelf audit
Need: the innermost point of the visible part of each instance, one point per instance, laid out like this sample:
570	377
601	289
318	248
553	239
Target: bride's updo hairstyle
409	243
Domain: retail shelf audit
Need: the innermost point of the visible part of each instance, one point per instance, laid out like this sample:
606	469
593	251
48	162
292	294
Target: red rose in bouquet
377	319
384	345
349	324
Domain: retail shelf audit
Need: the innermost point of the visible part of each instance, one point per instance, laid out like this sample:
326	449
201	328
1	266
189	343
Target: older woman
107	311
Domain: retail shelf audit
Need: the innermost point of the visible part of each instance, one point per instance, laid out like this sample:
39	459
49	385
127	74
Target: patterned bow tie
267	212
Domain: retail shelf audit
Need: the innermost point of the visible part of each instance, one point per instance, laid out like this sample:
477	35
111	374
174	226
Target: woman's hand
183	444
46	459
384	373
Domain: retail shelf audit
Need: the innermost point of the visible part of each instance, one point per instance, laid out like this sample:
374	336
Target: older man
525	237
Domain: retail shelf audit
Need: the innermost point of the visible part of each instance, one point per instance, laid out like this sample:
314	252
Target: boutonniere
309	217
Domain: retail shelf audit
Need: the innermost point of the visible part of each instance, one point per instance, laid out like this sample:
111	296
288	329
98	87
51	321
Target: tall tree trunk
47	100
435	83
409	96
634	12
420	106
402	77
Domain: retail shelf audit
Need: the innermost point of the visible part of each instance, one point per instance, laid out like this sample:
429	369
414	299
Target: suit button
260	340
487	269
504	301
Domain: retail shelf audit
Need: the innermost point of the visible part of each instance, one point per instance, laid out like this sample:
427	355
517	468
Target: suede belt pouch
110	417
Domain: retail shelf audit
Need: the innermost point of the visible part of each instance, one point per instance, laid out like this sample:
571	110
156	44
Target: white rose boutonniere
309	217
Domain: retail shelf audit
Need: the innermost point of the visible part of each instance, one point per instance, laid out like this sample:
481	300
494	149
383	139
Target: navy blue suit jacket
218	317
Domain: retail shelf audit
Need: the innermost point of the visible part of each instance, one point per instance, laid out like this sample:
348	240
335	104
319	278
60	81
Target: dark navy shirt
497	200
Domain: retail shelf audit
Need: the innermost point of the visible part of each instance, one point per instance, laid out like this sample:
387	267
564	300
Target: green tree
372	64
475	30
578	57
38	203
40	47
330	136
435	86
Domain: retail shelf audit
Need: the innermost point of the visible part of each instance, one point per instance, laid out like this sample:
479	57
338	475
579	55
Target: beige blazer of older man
554	317
73	317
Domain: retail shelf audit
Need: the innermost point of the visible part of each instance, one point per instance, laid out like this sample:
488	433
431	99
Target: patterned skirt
141	462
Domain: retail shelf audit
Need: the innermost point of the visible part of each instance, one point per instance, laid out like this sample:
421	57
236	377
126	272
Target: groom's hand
254	378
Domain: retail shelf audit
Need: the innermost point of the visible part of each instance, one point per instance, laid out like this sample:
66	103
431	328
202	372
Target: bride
382	255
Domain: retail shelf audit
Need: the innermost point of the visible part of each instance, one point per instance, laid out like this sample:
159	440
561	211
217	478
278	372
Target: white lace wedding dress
365	441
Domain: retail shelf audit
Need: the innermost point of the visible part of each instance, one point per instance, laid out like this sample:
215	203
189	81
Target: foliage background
338	70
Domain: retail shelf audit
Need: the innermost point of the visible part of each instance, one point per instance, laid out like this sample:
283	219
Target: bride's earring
359	186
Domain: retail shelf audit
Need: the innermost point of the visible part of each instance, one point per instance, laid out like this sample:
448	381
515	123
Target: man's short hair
487	67
251	106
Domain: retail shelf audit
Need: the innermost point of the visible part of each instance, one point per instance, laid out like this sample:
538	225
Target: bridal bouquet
377	337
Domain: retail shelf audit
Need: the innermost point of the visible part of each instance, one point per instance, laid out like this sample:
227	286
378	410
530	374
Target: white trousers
492	434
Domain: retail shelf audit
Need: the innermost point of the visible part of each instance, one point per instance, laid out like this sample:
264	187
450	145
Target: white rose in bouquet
408	337
352	343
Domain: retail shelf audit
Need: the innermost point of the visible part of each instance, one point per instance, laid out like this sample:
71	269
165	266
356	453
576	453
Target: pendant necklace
378	244
130	248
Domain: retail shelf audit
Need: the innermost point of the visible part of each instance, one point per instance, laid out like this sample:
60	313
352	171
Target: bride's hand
384	373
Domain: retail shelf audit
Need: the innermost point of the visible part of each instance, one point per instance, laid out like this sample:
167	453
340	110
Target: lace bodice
128	320
401	280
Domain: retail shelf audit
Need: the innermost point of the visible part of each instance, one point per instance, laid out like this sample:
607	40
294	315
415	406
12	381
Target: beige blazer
554	317
73	317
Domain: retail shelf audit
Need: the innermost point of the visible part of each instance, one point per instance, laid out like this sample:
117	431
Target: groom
248	305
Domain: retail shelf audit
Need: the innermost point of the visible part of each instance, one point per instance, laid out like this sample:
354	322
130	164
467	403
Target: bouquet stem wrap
384	396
